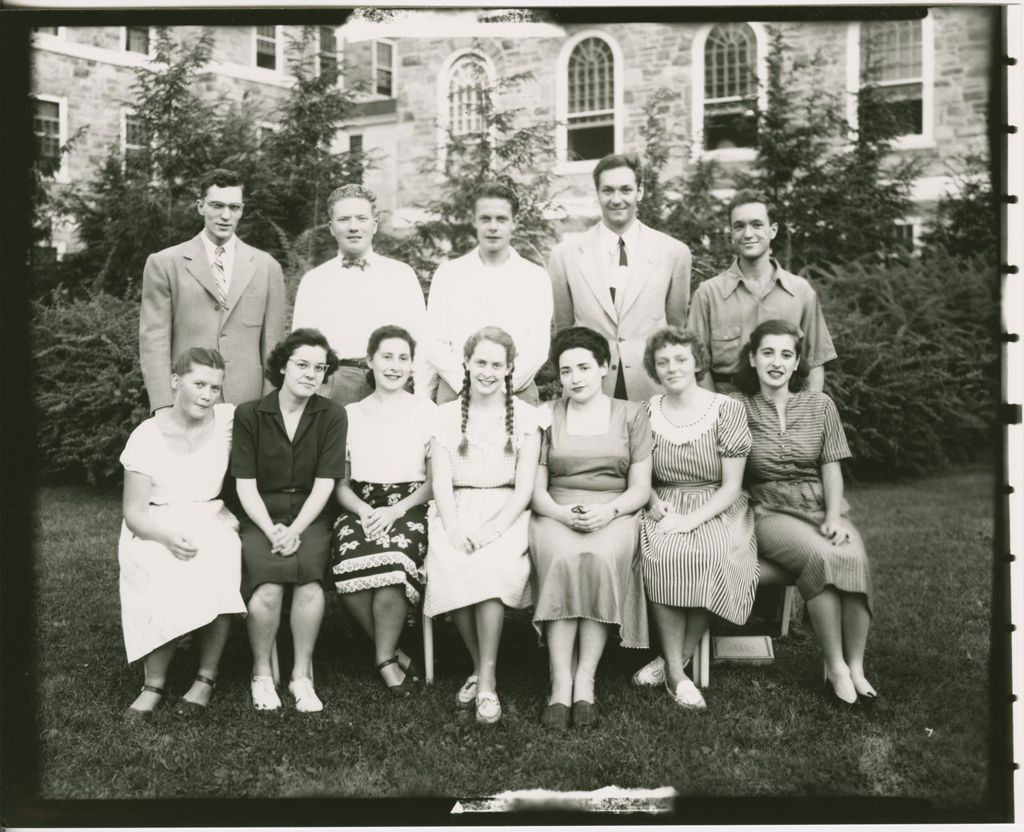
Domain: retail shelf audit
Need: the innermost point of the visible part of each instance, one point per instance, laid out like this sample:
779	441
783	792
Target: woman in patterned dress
796	486
697	537
380	537
484	459
179	553
594	478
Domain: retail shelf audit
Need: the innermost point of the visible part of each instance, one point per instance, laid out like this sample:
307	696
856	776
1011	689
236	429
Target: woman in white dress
484	459
380	537
179	551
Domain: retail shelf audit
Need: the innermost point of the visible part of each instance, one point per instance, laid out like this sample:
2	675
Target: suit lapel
591	264
648	253
241	273
197	265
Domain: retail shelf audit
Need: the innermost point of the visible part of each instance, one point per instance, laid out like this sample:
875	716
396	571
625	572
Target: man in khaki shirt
755	288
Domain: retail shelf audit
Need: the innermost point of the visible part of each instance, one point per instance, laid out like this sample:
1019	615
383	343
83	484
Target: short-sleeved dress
284	471
387	463
784	477
162	597
714	566
594	575
483	481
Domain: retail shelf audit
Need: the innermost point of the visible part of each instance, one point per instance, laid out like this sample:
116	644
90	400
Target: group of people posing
401	456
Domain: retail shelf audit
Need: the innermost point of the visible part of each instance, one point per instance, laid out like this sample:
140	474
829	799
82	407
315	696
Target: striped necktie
222	278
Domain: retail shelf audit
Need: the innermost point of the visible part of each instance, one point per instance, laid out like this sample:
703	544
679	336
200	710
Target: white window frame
564	165
915	224
48	36
926	138
337	53
124	42
278	69
62	174
394	68
126	113
443	87
725	154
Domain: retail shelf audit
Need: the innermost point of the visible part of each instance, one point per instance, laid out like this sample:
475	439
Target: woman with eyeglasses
288	452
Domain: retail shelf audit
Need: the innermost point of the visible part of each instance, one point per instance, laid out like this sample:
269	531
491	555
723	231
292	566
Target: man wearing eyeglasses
212	291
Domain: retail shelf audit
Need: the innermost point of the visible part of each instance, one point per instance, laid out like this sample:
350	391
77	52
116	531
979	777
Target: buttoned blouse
724	311
262	451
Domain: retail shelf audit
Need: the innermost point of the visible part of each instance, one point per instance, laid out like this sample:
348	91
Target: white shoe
306	700
264	695
467	693
686	695
488	708
651	674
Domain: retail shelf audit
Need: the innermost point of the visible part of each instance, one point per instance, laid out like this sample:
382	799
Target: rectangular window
46	30
136	145
355	143
136	39
266	47
383	68
46	126
328	56
891	65
904	235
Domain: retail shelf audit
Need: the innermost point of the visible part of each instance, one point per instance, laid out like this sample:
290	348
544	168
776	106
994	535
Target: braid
509	415
464	397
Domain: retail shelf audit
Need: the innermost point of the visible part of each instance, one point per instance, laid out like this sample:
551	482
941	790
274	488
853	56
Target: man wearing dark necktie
352	294
212	291
621	278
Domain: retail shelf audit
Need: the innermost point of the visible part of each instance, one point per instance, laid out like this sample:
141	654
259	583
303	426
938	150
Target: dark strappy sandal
407	685
135	715
188	708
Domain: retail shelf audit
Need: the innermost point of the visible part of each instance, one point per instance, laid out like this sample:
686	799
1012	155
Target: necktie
222	278
623	260
353	263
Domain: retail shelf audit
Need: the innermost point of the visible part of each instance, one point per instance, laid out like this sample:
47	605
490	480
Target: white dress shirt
467	295
227	258
347	305
617	275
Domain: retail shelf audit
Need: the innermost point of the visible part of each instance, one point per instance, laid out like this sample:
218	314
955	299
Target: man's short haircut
497	190
747	197
620	160
220	178
352	190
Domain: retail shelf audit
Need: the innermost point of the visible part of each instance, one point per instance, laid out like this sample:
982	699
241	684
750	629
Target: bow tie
354	263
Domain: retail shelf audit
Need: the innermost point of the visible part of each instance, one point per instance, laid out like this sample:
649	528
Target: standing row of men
620	278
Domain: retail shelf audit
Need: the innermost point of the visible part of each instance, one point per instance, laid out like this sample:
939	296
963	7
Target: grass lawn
767	730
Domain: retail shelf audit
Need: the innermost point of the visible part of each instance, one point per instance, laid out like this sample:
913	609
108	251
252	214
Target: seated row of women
442	495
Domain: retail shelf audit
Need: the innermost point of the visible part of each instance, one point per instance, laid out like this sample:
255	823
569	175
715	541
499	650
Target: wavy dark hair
377	337
496	190
495	335
674	336
197	357
746	380
222	178
304	337
580	337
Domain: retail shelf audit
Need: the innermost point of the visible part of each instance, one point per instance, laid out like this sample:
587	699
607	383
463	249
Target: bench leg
428	648
701	662
787	610
275	667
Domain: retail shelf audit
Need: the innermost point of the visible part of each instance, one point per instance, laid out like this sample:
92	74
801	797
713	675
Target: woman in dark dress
796	486
288	452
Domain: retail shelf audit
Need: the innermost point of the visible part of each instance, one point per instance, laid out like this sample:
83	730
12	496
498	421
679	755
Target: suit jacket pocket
251	308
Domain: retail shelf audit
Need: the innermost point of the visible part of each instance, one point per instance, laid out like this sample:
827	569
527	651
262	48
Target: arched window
730	87
467	78
590	122
891	61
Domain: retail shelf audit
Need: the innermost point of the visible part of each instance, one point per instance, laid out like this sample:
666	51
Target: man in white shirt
621	278
352	294
492	285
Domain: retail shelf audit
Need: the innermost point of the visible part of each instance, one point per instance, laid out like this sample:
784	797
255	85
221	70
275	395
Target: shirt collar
371	257
211	246
610	240
513	255
733	276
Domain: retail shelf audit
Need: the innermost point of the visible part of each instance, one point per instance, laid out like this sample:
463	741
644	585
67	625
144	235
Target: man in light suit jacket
212	291
621	278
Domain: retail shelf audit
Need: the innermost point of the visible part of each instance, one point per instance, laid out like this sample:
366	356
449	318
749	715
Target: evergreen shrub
89	391
917	378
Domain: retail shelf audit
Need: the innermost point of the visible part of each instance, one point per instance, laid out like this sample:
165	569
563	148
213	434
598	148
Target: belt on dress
291	490
359	363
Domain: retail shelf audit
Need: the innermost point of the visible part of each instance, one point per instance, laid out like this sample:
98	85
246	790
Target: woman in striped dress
796	486
697	537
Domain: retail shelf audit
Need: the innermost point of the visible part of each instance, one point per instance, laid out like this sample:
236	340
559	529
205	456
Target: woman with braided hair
483	459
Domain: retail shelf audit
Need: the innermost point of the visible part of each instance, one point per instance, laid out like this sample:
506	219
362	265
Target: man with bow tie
212	291
352	294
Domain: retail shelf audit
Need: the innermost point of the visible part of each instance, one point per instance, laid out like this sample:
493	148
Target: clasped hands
667	521
379	521
284	540
836	531
585	519
469	543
